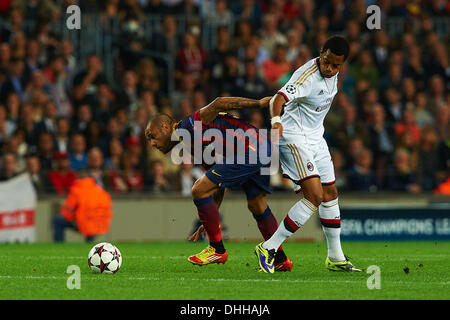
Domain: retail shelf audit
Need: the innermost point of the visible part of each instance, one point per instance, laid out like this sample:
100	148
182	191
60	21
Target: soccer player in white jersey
304	154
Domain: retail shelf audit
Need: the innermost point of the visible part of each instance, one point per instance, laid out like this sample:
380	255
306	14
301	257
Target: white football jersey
309	96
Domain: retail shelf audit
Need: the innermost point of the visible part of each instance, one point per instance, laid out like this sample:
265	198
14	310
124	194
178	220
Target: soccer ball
104	258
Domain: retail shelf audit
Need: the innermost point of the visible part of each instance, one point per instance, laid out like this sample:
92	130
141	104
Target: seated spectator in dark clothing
45	149
48	122
115	151
361	177
351	127
16	81
394	107
38	177
9	166
95	168
381	142
167	41
159	181
85	83
82	119
126	179
61	177
77	152
250	85
401	178
62	134
428	159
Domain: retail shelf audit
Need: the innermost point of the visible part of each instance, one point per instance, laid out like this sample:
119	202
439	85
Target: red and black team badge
310	166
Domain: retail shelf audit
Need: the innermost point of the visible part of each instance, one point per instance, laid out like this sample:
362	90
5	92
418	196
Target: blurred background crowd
76	102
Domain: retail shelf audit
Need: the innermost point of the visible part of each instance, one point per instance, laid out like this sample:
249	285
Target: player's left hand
201	230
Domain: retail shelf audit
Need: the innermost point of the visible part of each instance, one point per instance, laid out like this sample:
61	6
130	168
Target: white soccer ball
104	258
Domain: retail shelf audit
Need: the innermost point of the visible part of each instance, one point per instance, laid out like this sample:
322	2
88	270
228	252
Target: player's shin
330	219
210	217
296	217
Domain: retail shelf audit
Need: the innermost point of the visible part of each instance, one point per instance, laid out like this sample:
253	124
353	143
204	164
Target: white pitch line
233	280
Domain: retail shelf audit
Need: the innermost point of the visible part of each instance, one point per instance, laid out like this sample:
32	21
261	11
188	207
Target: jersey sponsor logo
290	88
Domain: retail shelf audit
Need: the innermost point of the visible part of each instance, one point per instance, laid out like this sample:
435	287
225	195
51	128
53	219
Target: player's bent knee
315	198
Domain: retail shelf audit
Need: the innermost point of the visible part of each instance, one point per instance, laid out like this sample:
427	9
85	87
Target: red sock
267	224
210	217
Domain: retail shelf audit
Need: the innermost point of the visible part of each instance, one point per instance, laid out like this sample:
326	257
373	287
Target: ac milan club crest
310	166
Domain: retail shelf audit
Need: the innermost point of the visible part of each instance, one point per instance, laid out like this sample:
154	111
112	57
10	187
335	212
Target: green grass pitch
409	270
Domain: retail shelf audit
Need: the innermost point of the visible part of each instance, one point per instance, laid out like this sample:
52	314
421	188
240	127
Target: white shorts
301	160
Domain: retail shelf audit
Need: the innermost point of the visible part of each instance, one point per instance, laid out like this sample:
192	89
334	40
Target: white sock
330	217
296	217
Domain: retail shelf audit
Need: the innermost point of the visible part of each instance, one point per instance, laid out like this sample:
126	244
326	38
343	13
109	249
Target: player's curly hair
338	45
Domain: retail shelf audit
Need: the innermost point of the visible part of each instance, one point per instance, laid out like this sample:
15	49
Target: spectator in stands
276	67
401	178
77	152
86	82
422	115
62	134
408	123
83	118
61	177
222	16
159	182
394	107
381	141
112	162
45	149
37	176
95	168
250	84
351	127
191	58
48	121
270	35
7	127
428	159
16	81
442	119
9	166
361	177
126	179
128	96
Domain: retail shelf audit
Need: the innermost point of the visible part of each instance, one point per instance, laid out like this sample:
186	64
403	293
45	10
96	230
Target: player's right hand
277	132
197	234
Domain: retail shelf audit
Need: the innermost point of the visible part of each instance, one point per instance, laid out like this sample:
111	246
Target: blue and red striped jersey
231	137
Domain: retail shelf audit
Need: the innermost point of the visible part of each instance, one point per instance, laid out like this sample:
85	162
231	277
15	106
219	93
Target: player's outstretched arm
224	104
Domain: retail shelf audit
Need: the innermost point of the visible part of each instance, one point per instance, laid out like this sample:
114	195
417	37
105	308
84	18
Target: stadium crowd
60	117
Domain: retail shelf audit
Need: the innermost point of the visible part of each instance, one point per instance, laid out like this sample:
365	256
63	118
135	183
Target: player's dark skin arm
224	104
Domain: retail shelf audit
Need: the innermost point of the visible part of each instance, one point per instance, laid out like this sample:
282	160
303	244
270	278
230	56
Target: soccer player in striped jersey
304	154
240	168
